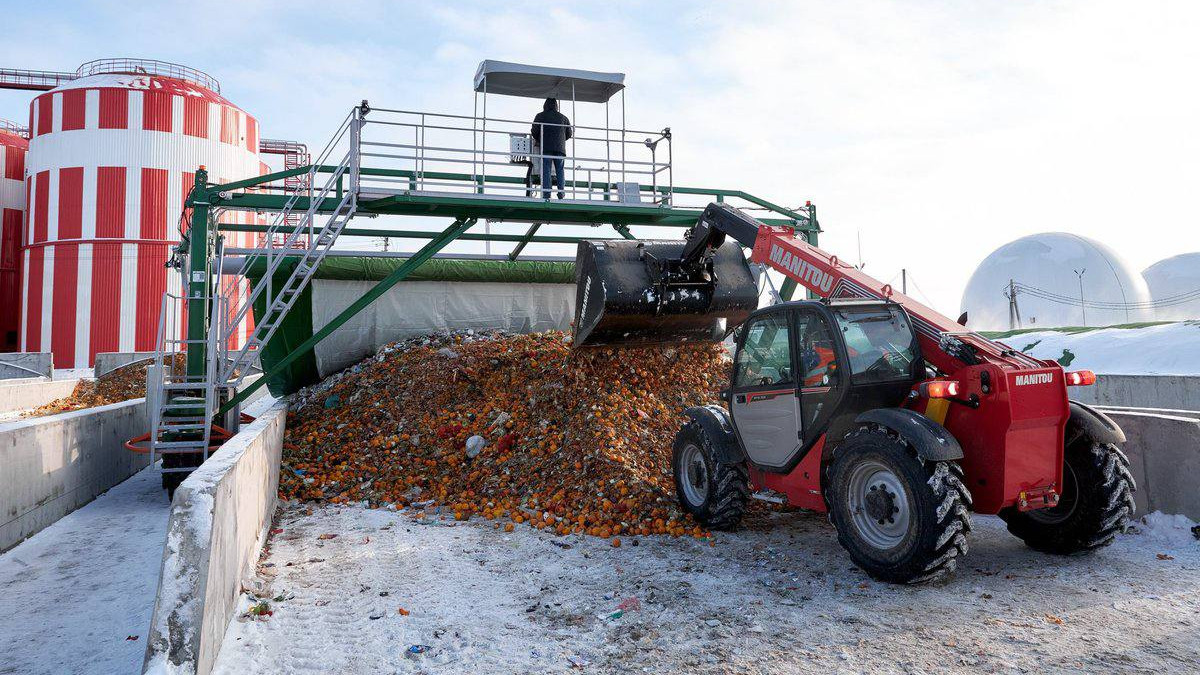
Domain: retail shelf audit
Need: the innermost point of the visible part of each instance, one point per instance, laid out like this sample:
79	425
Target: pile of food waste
120	384
511	428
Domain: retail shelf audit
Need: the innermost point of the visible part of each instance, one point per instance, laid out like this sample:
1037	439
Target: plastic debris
327	536
333	401
260	609
475	446
565	452
578	661
418	649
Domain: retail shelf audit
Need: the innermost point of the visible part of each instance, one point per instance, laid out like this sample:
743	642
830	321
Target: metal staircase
183	405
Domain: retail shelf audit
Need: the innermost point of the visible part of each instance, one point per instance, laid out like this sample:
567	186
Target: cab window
765	357
818	358
879	341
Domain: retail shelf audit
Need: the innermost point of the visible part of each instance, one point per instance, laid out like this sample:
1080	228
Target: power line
1169	301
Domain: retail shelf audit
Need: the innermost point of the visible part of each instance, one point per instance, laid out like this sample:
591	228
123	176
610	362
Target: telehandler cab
866	404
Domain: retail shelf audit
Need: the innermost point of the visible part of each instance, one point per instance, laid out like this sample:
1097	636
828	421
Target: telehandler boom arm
944	343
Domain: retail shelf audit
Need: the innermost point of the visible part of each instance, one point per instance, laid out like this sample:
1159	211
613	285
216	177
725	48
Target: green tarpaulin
297	326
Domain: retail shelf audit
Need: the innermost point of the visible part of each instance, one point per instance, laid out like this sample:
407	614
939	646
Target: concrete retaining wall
32	392
26	364
108	361
1176	392
219	522
1164	453
50	466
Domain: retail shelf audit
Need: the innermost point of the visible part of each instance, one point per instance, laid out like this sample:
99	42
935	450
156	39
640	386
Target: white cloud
937	130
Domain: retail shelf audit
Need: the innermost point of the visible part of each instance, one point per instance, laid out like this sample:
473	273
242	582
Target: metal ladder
184	407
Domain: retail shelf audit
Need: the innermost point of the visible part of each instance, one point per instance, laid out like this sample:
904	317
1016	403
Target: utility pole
1014	312
1082	305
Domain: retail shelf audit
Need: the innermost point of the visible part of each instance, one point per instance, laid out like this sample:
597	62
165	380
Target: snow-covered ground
77	596
778	596
1166	349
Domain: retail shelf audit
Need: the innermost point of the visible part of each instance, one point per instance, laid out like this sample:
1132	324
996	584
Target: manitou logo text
804	272
1036	378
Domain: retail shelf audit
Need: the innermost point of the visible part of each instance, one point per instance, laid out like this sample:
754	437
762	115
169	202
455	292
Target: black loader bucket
636	292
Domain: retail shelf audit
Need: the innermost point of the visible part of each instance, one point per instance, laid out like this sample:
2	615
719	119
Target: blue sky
936	131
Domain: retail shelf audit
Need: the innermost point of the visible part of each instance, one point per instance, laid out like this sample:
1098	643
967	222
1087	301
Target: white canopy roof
518	79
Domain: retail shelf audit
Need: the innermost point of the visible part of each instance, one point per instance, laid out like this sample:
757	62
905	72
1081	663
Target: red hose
217	437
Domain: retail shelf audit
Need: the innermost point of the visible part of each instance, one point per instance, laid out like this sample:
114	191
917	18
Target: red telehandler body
866	404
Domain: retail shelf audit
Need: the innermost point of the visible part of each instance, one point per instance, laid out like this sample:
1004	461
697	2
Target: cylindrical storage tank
1043	268
1175	286
13	147
112	156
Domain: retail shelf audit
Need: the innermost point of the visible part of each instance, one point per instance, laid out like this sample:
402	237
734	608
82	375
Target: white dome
1045	264
1174	277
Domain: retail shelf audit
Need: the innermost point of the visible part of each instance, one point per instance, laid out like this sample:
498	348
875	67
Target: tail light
940	389
1080	378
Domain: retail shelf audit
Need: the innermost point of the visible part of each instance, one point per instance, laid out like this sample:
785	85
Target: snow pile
1165	349
1173	531
516	428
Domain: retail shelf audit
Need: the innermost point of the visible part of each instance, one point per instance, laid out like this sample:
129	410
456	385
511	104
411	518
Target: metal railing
14	128
287	233
149	67
295	155
601	163
45	80
33	80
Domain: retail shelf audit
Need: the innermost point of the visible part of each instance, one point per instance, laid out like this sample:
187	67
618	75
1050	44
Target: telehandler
864	404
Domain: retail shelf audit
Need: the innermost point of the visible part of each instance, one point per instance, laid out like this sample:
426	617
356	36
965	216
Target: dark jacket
552	129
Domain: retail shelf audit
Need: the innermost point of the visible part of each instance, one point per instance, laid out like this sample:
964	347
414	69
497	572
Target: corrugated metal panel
12	224
111	162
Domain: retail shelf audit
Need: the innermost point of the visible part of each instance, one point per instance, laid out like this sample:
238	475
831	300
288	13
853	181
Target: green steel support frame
425	253
466	209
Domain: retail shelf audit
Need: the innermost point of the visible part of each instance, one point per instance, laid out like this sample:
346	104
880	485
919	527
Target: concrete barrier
1177	392
218	525
26	364
1164	454
50	466
32	392
106	362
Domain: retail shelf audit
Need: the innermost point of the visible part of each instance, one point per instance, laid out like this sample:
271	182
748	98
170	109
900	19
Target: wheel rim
693	475
879	505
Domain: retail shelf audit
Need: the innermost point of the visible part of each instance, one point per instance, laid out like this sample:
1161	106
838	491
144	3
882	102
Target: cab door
763	398
822	382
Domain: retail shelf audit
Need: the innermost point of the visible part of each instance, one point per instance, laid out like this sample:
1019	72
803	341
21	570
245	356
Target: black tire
718	496
177	460
1095	506
922	533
